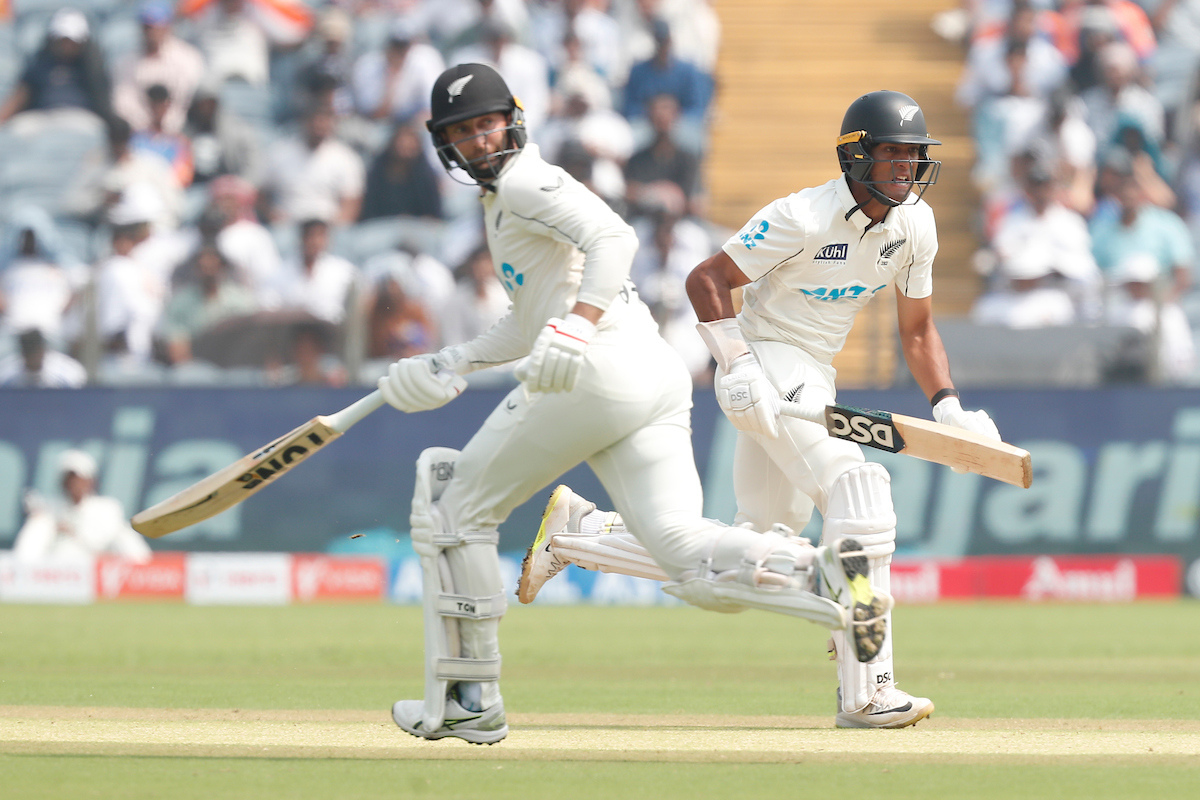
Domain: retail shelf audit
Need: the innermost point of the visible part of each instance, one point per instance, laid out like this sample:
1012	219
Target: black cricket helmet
466	91
885	116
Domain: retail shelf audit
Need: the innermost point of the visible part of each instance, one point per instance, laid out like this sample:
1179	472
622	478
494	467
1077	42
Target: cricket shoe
476	727
847	579
563	513
889	708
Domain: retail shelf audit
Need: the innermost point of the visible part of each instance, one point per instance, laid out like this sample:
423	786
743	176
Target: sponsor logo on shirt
844	292
832	252
754	234
510	277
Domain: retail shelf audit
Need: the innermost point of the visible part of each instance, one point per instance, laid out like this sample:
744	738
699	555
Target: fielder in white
807	263
598	385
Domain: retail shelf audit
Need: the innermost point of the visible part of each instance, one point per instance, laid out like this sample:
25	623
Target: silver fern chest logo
456	88
888	250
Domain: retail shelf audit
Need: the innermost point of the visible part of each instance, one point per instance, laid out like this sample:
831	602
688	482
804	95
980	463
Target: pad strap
444	539
468	669
467	607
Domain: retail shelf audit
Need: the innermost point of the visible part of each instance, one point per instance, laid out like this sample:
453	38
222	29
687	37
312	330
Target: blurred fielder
598	385
807	264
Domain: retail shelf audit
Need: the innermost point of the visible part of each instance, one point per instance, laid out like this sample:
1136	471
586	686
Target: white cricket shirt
811	269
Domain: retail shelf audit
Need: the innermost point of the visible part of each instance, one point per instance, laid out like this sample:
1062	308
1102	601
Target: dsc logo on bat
865	427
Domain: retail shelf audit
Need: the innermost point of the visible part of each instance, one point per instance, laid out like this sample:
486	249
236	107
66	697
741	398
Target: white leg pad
461	614
860	507
768	571
620	553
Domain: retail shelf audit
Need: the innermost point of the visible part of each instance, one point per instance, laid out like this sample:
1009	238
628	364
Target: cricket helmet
466	91
884	116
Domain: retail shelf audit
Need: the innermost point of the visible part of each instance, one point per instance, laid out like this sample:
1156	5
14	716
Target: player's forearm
710	291
927	361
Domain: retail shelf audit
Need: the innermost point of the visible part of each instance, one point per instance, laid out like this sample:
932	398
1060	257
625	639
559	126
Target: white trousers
629	418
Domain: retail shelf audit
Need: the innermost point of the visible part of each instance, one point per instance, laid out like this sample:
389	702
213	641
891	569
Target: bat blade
231	485
925	439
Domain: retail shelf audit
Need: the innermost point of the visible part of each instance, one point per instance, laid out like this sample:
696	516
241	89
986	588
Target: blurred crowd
1085	116
243	191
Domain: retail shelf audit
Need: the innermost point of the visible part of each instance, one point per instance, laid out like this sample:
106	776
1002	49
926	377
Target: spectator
164	60
68	71
99	188
222	144
1133	225
242	240
585	26
398	324
235	41
989	70
175	148
585	120
36	365
663	159
37	280
479	299
401	182
663	73
1135	303
207	295
1005	124
1031	296
313	175
393	84
1070	144
311	362
1120	94
1085	27
79	525
317	281
331	64
1043	225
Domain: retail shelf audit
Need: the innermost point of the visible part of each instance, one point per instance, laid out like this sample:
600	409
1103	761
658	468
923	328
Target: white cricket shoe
476	727
889	708
847	582
563	513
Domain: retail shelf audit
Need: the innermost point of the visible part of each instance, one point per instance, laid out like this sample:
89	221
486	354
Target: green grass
978	660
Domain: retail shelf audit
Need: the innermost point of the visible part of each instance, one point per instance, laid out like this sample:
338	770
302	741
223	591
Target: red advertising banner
318	577
1071	578
162	578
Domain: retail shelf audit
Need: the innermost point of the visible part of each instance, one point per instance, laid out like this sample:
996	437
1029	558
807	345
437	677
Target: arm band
942	394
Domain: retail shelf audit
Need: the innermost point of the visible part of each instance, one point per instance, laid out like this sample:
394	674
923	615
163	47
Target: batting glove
748	398
950	412
412	384
556	359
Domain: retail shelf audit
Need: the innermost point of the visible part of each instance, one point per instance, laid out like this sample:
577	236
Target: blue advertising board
1115	470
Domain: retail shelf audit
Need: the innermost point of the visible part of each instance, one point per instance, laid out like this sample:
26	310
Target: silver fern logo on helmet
456	88
907	113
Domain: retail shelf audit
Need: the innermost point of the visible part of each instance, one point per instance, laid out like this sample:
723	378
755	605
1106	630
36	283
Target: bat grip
348	416
805	411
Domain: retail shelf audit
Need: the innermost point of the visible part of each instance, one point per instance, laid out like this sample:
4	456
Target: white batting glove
412	384
949	411
748	398
554	363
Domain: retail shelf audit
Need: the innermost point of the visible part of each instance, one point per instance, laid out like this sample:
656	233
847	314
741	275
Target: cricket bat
924	439
252	473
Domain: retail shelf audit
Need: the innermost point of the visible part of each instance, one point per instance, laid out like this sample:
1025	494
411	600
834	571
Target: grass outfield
157	700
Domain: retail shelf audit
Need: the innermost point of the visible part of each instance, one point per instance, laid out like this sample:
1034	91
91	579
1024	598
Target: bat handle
805	411
348	416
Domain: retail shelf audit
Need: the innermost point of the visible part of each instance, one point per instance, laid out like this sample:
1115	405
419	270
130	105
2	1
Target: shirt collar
858	218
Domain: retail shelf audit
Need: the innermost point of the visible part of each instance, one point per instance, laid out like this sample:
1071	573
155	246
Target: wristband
942	394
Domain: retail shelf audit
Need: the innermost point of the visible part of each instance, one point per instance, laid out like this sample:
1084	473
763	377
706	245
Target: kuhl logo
832	252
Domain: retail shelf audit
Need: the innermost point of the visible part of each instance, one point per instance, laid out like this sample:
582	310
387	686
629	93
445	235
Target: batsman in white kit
598	384
807	263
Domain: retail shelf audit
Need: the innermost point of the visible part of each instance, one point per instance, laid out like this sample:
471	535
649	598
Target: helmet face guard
486	168
894	118
464	92
854	155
